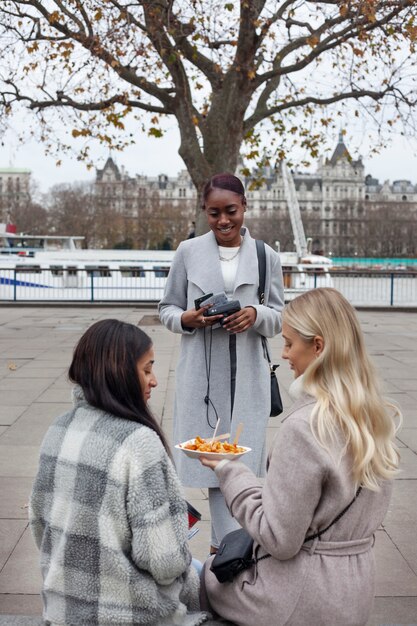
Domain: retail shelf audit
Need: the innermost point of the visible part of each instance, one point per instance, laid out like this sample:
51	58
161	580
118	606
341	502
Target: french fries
204	445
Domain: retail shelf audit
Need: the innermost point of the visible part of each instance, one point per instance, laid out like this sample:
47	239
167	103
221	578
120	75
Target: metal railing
361	288
377	288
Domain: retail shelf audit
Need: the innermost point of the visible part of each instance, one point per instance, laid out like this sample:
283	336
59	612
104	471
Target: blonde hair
344	382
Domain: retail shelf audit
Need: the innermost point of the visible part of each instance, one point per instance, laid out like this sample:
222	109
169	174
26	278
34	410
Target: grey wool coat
196	271
323	582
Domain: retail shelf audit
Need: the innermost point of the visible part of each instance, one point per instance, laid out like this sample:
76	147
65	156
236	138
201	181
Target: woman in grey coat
339	435
222	372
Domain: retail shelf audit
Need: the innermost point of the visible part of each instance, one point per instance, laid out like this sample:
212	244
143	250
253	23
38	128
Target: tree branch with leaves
242	79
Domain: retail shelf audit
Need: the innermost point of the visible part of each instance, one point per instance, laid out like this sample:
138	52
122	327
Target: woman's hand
240	321
208	462
194	318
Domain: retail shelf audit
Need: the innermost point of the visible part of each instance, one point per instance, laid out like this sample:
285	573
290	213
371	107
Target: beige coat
327	582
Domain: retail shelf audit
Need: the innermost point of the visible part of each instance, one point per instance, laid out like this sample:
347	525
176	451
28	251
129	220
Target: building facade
14	190
344	211
115	188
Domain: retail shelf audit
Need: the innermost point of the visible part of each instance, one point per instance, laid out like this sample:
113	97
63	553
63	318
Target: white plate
217	456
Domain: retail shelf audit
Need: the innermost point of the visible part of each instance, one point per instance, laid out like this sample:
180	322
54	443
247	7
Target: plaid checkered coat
108	515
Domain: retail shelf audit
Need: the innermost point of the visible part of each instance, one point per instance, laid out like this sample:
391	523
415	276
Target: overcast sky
156	156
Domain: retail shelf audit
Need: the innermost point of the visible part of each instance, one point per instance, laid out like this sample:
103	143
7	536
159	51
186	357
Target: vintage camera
210	298
224	308
219	305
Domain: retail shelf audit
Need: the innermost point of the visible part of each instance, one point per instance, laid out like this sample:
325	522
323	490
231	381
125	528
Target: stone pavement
35	350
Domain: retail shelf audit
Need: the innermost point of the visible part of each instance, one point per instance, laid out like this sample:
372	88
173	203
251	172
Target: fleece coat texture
109	518
326	582
204	365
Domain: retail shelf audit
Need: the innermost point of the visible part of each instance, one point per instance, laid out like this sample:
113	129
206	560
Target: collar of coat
204	267
78	397
304	400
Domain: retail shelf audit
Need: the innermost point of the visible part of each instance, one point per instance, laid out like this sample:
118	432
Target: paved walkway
35	350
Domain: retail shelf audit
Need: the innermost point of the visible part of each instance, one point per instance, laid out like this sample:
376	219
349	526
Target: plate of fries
218	450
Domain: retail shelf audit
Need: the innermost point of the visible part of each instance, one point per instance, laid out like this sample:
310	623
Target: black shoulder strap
310	537
336	519
260	250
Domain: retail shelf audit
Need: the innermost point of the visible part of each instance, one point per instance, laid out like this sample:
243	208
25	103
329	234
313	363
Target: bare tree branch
219	70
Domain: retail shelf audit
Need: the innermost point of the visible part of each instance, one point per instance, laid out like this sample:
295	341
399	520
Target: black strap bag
233	556
235	552
276	401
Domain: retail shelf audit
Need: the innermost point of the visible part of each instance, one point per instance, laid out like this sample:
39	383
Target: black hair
227	181
104	364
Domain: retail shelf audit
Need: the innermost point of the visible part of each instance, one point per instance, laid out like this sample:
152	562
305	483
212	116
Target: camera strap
207	357
233	369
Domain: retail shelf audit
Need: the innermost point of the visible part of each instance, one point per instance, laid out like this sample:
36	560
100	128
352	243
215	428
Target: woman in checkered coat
107	510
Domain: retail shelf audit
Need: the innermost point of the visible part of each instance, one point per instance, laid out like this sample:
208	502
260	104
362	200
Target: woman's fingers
241	321
208	462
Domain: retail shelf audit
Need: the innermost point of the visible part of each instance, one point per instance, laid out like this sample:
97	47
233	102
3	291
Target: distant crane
294	210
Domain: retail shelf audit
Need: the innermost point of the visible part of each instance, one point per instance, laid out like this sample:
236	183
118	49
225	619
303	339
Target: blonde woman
337	437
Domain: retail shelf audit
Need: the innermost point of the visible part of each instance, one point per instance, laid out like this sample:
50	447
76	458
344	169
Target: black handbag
276	401
235	552
233	556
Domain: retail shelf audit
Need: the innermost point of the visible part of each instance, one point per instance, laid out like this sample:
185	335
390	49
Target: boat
301	273
41	267
58	270
24	245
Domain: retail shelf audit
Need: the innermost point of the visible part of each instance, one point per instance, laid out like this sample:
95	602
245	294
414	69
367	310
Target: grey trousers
222	521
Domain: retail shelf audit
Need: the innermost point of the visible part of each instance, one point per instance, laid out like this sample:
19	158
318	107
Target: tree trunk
221	133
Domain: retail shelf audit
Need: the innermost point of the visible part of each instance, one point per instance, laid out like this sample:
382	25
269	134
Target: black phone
198	301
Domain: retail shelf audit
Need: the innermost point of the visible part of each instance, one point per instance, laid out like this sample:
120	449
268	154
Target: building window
132	272
98	271
161	271
28	269
57	270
